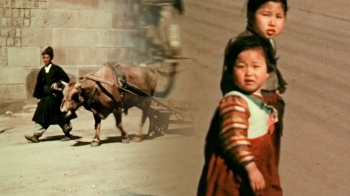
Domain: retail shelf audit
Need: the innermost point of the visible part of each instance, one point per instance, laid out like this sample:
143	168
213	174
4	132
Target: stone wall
83	34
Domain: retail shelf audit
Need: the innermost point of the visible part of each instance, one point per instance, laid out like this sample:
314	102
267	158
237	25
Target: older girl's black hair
253	5
250	42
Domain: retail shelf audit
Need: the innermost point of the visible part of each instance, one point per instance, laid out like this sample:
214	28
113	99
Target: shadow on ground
125	193
57	137
187	132
108	140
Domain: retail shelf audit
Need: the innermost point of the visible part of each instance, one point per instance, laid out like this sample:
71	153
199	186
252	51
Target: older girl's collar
250	28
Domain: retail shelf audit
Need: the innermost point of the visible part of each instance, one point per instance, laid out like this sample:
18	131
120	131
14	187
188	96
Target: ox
103	99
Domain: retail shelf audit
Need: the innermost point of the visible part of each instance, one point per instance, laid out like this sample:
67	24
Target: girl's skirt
222	177
277	102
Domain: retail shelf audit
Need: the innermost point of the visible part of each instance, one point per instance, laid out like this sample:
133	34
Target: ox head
72	98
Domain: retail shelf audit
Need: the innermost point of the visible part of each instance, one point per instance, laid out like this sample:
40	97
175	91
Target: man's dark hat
48	51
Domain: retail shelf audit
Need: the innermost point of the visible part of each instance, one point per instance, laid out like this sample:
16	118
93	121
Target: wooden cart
166	111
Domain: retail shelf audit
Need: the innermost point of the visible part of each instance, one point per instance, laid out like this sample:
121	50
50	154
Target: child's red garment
272	99
239	134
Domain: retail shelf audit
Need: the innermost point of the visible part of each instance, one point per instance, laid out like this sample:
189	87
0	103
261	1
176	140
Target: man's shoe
65	139
32	138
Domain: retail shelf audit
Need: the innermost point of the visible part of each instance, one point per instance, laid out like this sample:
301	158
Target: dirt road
315	151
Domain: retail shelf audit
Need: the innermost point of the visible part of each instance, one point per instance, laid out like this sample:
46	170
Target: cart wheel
152	122
151	135
161	128
159	123
162	122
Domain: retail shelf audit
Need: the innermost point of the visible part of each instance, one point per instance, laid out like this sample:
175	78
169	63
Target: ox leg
143	120
145	111
118	118
96	141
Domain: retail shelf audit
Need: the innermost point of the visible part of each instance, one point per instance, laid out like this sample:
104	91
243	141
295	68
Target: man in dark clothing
48	92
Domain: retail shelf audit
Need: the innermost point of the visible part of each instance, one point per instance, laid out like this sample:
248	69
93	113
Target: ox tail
168	74
173	71
171	74
125	111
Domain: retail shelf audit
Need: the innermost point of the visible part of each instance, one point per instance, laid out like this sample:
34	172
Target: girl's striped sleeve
234	116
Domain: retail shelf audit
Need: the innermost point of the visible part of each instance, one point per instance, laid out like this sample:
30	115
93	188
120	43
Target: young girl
239	154
265	19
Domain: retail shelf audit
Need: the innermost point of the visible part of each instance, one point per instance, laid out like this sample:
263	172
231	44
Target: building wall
83	34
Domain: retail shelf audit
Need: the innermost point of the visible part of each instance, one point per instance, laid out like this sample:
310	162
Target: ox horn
64	83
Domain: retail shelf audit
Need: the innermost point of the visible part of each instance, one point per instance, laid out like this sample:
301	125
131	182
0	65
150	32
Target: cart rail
140	92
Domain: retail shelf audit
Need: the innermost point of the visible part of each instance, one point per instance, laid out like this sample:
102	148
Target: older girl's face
250	70
269	19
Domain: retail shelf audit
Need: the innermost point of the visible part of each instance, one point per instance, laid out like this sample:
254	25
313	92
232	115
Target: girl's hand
38	101
257	181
